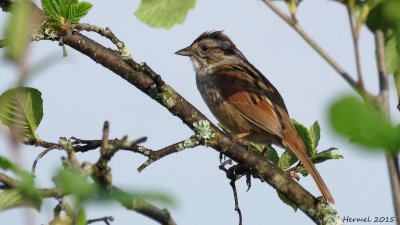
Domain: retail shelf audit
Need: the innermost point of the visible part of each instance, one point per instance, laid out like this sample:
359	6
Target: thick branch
178	106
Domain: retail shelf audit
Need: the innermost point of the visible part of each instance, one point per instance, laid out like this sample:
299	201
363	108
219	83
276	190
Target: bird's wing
249	92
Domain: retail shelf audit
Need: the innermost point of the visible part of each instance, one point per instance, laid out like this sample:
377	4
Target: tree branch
156	155
103	219
142	77
178	106
355	34
383	100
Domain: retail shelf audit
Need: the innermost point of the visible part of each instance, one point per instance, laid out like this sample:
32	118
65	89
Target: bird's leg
292	171
265	149
239	138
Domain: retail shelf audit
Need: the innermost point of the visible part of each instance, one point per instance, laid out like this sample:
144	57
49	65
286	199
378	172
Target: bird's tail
293	142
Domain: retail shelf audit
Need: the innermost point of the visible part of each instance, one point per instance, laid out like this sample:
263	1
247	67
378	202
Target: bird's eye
204	48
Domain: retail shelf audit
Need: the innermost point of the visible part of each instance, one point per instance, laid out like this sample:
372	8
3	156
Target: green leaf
315	134
81	218
287	159
302	170
51	8
226	130
384	16
326	155
5	163
392	53
293	5
10	198
21	109
28	190
18	30
77	11
164	13
304	135
272	155
65	6
269	154
362	124
72	182
287	201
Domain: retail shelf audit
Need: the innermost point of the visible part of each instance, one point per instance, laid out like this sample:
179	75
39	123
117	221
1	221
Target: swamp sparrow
243	100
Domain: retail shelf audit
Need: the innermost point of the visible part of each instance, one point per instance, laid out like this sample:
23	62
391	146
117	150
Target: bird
243	100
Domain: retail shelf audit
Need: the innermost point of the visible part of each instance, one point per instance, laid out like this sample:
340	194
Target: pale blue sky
79	95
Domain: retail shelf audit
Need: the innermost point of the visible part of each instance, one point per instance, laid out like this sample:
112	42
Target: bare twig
232	183
355	34
106	220
234	173
293	23
383	101
104	144
38	158
107	33
8	181
156	155
86	145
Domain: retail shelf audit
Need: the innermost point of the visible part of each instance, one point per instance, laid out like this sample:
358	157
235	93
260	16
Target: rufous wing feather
251	94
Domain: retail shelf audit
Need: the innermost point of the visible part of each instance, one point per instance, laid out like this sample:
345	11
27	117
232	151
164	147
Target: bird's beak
185	52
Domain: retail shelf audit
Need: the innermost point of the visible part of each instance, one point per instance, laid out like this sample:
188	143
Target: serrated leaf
18	30
287	201
21	109
81	217
305	136
164	13
5	163
51	8
10	198
315	134
363	124
65	6
77	11
287	159
326	155
391	53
